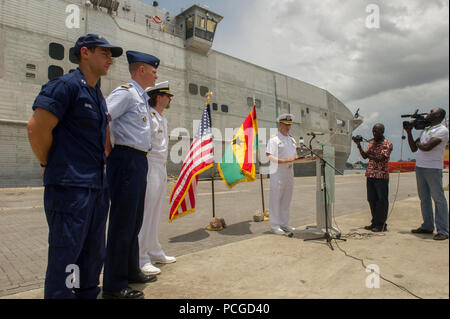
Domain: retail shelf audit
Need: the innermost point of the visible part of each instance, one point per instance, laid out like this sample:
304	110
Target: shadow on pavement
196	235
242	228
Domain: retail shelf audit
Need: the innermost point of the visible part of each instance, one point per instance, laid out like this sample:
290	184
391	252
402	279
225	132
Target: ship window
205	32
203	90
56	51
200	22
30	75
211	26
224	108
54	72
307	110
31	66
215	106
193	88
325	114
72	56
189	27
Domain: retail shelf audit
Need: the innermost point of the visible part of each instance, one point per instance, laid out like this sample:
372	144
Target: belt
124	147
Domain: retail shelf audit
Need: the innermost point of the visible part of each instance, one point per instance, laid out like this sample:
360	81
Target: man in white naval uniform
150	250
282	152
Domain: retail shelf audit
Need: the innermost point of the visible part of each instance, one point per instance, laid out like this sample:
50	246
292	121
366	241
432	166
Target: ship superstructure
36	37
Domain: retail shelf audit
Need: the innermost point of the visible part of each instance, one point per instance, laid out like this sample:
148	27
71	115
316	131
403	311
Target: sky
385	58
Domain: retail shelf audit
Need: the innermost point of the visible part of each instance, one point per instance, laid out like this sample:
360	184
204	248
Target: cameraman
378	152
429	162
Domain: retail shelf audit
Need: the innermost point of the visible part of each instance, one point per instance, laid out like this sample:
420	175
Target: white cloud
385	72
327	44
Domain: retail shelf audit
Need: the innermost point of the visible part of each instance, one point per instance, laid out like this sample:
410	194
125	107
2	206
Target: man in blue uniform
127	177
67	133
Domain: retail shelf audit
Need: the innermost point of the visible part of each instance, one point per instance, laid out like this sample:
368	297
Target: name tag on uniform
160	131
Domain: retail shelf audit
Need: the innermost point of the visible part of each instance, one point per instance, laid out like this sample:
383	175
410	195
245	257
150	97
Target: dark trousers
76	218
127	179
378	198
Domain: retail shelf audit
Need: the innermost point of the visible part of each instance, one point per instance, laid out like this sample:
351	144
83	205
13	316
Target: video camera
359	139
418	122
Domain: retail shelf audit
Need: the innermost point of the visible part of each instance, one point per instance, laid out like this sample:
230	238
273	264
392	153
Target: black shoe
127	293
379	229
421	231
440	237
369	227
142	278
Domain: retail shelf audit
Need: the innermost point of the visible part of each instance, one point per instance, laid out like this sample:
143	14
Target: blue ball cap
135	56
96	40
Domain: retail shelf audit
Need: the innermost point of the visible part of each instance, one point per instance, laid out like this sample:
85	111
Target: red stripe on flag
191	192
249	136
188	161
183	206
188	172
183	180
185	185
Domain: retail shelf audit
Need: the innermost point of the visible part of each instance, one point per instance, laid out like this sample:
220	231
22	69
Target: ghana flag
238	161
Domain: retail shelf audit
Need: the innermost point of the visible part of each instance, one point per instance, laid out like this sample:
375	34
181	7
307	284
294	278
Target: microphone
315	133
301	141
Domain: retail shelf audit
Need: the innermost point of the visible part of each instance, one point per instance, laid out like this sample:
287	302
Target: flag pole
262	188
208	96
260	175
212	187
216	223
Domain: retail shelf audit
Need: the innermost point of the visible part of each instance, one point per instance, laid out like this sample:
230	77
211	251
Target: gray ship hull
35	46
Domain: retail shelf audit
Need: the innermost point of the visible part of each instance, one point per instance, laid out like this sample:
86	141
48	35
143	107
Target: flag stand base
216	224
261	216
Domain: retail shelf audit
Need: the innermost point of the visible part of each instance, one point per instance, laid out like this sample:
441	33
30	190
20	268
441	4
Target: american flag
199	159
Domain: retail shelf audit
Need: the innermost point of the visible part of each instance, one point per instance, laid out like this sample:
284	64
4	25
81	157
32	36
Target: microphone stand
310	141
327	236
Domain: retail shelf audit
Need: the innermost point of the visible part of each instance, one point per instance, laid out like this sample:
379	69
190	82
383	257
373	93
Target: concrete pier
245	260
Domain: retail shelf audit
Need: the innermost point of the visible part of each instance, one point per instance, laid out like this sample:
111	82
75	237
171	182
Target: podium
321	219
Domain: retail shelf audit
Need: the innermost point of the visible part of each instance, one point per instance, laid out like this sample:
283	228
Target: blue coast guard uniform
76	200
127	171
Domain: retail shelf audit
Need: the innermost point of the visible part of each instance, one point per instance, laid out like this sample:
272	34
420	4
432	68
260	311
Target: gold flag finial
208	96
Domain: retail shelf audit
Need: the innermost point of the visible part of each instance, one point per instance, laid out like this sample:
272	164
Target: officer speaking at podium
282	152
